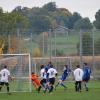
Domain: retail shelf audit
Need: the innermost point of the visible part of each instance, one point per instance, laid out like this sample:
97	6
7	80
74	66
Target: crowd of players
48	76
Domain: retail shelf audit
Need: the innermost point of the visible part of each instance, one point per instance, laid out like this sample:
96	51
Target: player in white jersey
78	75
51	74
5	76
43	76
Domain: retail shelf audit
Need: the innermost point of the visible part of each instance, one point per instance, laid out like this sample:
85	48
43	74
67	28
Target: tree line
41	19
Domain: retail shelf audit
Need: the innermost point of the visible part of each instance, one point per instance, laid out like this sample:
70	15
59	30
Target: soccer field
59	94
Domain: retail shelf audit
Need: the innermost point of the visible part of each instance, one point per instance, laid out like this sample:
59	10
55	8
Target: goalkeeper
36	81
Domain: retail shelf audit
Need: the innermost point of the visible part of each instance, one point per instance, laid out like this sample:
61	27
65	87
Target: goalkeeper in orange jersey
36	81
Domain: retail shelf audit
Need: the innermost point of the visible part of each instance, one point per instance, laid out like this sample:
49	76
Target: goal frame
29	56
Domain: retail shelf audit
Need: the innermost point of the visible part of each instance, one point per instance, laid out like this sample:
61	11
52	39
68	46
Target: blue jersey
46	69
65	74
87	72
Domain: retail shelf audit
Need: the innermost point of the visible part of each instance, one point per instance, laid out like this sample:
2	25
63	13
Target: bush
37	52
58	52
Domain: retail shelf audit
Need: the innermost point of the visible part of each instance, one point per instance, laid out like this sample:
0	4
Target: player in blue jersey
64	76
48	66
86	75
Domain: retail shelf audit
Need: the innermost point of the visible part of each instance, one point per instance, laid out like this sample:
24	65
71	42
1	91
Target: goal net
58	63
20	68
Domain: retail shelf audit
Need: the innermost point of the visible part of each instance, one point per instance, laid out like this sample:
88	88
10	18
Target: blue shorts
86	79
63	78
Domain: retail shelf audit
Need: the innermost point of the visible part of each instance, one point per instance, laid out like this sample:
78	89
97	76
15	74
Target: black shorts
43	81
86	79
51	81
4	83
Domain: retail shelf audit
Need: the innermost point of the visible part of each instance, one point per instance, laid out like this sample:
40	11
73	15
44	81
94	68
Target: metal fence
82	45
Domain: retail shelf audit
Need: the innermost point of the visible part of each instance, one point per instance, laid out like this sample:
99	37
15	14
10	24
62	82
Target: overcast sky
87	8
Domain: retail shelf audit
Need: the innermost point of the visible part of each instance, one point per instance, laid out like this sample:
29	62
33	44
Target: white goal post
20	69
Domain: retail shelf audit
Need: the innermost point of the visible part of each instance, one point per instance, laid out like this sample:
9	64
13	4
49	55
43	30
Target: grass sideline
59	94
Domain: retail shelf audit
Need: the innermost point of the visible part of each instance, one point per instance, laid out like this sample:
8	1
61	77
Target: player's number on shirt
52	72
4	74
79	73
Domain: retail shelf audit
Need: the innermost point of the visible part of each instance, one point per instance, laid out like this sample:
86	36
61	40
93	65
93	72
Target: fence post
81	51
43	44
55	46
9	43
50	44
93	53
18	39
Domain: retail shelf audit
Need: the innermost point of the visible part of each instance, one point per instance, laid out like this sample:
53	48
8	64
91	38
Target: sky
86	8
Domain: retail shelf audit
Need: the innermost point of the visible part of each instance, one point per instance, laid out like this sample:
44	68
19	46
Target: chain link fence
82	46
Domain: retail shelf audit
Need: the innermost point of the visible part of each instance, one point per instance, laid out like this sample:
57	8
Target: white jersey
78	74
43	74
4	73
52	72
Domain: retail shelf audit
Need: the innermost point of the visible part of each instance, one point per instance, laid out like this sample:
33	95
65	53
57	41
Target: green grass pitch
59	94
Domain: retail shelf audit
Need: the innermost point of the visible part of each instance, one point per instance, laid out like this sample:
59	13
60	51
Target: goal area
20	68
58	63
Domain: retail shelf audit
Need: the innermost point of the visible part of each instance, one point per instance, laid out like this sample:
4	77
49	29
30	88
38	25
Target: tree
1	10
10	21
97	21
37	52
83	23
20	20
17	9
3	44
71	20
3	23
60	15
51	6
40	23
